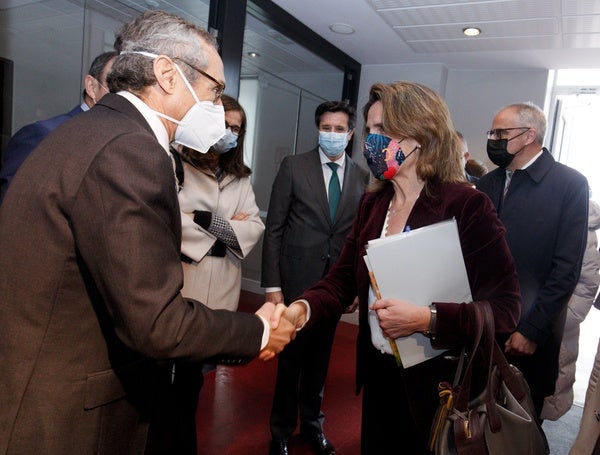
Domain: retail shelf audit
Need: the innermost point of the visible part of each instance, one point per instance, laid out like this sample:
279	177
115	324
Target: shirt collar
532	160
150	116
325	159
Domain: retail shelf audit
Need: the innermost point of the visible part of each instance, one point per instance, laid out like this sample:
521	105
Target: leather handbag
501	419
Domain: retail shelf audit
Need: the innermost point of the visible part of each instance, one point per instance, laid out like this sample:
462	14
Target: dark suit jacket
545	214
91	317
489	265
301	242
23	142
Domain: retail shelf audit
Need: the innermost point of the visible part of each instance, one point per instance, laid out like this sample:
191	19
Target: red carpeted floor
235	402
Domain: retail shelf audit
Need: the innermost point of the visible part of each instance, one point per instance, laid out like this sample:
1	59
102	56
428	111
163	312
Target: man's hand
398	318
517	344
274	297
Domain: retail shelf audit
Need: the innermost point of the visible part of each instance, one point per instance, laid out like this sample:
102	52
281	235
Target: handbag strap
468	431
483	344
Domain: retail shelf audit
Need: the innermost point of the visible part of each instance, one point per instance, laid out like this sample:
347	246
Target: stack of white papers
421	266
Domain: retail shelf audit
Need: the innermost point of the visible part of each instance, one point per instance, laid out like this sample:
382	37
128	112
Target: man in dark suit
27	138
544	206
307	223
100	353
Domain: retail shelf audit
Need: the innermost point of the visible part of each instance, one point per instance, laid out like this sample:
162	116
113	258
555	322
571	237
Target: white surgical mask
226	143
332	143
202	125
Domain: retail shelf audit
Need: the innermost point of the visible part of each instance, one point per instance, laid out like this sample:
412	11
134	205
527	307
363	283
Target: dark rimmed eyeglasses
220	87
501	133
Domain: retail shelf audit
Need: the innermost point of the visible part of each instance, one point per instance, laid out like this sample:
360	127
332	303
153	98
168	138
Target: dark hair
231	162
160	33
336	106
98	66
475	168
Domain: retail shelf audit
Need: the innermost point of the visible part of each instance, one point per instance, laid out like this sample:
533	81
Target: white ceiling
548	34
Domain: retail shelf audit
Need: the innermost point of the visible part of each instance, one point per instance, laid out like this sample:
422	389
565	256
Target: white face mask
202	125
332	143
226	143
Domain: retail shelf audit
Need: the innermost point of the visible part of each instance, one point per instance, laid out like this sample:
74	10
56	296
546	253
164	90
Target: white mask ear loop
153	56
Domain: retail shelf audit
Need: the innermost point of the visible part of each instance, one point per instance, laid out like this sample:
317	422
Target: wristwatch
430	332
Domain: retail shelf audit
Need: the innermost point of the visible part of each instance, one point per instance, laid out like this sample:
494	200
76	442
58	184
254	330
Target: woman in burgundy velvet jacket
412	149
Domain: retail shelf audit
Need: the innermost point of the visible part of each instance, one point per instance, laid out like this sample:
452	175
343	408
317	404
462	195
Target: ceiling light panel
477	13
579	7
485	45
581	24
581	41
490	30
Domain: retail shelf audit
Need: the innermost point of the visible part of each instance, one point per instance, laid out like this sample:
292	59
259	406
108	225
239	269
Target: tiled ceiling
515	33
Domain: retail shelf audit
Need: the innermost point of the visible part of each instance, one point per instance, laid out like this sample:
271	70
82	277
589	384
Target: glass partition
53	42
281	85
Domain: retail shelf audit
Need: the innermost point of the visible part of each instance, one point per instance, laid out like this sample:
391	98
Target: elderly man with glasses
100	352
543	205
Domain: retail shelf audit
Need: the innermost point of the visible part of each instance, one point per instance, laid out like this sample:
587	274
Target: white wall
473	96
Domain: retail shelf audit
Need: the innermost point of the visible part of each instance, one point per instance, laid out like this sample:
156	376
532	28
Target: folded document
421	266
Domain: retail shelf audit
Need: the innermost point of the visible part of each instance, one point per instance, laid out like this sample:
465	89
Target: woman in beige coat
220	218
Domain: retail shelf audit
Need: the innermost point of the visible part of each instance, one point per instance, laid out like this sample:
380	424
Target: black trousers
301	372
399	404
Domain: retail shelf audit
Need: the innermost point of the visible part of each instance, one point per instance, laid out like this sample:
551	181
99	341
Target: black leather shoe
320	443
279	448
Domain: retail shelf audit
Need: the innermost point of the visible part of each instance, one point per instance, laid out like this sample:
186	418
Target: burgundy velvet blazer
490	266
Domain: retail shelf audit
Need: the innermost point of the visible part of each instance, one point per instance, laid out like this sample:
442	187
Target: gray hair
160	33
531	115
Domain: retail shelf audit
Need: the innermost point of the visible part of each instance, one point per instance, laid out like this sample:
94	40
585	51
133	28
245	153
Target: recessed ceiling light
471	31
344	29
253	54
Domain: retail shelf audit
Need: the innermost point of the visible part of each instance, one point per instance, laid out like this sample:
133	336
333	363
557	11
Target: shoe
320	443
279	448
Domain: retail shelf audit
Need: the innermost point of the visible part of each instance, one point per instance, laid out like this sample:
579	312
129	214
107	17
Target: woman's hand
398	318
241	216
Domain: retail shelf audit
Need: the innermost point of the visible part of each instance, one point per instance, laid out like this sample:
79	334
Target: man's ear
350	134
89	86
166	73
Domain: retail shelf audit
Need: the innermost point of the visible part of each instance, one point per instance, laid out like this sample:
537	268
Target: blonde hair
414	110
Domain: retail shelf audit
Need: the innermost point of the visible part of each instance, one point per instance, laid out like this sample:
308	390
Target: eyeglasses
218	90
233	128
501	133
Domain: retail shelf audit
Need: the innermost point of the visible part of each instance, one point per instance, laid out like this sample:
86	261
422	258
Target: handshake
283	321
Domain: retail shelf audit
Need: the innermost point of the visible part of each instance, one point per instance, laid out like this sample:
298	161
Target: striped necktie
509	175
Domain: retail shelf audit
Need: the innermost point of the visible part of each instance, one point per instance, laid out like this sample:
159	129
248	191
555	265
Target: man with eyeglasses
27	138
100	353
543	205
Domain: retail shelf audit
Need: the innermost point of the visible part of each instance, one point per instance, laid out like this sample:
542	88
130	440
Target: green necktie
334	190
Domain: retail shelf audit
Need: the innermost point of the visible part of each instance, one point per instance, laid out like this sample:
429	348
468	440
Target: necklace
393	211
